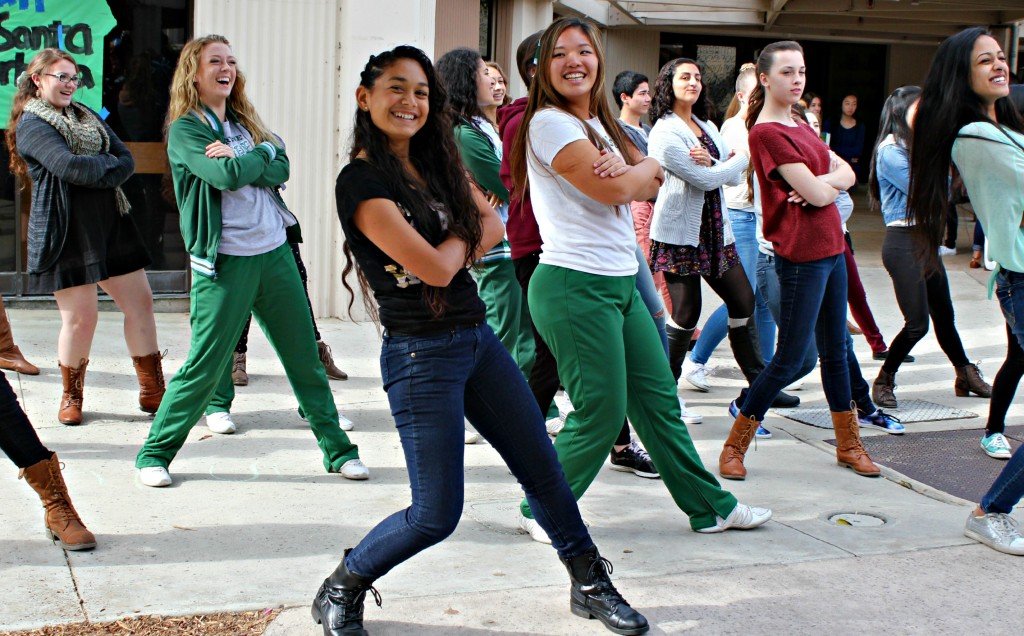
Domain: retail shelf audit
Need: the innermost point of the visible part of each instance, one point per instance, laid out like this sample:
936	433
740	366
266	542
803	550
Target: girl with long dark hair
227	168
972	126
799	181
80	231
581	173
413	223
919	294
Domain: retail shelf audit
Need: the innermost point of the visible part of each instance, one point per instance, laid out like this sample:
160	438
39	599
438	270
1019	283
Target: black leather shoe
593	595
338	606
882	355
785	401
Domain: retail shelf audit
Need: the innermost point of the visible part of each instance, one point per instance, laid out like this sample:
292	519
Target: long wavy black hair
664	96
894	122
947	105
457	71
432	151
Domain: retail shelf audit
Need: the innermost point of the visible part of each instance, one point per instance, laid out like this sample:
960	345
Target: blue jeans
810	294
768	286
1008	488
717	326
433	382
649	294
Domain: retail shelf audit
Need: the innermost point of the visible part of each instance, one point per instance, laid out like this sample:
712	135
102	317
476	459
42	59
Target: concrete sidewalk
252	520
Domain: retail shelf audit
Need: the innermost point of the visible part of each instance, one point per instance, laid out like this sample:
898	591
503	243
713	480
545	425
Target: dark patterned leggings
243	341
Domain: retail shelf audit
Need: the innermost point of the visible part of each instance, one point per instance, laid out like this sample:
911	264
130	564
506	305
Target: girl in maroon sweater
799	181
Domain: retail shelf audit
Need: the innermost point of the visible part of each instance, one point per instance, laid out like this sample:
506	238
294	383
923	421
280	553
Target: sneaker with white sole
154	476
696	374
947	251
760	433
345	423
996	530
995	445
881	420
472	437
742	517
633	459
220	422
689	417
532	528
555	425
355	470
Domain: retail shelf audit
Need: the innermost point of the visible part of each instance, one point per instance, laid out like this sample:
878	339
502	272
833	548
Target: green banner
76	26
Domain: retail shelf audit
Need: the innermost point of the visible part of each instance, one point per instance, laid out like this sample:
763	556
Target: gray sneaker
996	530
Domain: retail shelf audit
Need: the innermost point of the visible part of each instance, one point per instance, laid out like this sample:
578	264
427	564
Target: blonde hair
185	94
747	71
27	90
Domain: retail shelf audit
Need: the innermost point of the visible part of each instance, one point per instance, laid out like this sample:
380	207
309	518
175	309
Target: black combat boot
594	596
338	605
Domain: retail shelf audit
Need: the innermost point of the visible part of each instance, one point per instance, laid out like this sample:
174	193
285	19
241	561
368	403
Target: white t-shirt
734	131
577	232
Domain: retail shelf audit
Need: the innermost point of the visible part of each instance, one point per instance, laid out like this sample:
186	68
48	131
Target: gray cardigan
54	169
677	212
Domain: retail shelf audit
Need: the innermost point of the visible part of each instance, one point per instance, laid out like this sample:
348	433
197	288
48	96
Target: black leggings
243	340
18	439
918	298
1004	386
733	287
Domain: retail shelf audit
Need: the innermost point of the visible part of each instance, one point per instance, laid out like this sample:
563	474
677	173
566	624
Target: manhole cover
855	519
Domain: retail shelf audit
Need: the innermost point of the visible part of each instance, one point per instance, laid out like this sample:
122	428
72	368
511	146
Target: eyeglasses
66	79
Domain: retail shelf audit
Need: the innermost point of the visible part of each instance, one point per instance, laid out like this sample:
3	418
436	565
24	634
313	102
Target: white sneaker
345	423
947	251
472	437
355	470
742	517
796	386
563	403
555	425
220	422
689	417
696	374
154	476
532	528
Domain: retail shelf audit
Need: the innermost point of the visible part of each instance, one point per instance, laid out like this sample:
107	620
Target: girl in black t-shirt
413	224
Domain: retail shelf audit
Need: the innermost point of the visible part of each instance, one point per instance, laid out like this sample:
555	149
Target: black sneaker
882	355
633	459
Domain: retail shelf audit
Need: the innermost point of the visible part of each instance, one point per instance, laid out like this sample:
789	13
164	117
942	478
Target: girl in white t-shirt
583	296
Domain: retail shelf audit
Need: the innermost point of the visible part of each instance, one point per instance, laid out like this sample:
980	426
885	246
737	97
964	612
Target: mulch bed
223	624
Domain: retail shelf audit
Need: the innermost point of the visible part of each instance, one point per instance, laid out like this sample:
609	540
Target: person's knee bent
915	330
438	521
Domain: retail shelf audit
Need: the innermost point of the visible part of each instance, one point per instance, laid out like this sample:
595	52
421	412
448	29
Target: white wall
302	60
528	17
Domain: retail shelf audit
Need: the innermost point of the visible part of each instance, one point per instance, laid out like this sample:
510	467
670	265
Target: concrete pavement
252	520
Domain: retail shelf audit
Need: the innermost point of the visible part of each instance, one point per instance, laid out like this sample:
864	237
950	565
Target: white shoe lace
1004	525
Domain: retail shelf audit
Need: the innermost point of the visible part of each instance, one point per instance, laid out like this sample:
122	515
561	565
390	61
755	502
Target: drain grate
910	411
950	461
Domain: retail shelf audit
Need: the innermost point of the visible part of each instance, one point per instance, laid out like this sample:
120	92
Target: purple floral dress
711	257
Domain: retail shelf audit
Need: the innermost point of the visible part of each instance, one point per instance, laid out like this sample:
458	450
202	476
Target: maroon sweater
521	228
798	233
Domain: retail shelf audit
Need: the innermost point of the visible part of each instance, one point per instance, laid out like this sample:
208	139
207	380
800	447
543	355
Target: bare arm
576	162
842	176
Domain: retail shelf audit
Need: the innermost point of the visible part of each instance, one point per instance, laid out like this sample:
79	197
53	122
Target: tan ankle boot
70	412
849	449
11	358
63	524
730	462
333	372
151	380
238	375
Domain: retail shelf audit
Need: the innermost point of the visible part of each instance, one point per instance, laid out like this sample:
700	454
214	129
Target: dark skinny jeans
18	439
918	297
435	382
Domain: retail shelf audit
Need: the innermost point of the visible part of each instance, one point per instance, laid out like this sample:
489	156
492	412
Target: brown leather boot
10	355
238	375
969	380
333	372
730	462
63	524
151	381
70	412
849	449
882	390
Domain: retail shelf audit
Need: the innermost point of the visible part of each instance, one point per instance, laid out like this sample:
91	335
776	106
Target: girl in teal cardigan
973	126
227	169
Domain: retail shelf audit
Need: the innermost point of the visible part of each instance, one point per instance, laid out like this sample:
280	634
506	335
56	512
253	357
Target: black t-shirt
399	293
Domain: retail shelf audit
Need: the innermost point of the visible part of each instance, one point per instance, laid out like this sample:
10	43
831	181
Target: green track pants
507	313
